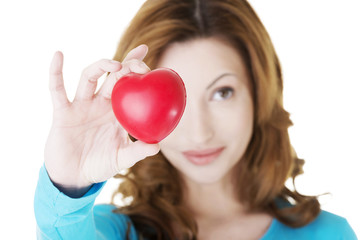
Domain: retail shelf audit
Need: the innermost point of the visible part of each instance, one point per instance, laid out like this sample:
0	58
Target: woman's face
217	124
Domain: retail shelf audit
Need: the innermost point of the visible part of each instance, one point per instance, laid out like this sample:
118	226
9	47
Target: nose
196	125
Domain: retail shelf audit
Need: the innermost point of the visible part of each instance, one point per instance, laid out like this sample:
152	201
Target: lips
203	157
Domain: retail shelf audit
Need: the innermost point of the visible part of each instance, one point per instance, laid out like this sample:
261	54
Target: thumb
142	150
135	152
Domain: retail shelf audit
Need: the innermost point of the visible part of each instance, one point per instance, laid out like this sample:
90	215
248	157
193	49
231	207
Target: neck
212	200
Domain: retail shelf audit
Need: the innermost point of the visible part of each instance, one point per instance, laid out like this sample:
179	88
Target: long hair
154	185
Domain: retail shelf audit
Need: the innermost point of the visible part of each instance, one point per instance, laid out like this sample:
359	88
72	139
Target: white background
318	46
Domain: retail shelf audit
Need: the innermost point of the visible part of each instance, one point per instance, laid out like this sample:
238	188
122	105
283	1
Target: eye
223	94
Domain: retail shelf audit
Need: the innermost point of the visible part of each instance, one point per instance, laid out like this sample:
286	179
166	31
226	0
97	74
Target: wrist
67	184
71	190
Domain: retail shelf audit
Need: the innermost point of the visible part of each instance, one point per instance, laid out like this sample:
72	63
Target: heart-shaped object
149	106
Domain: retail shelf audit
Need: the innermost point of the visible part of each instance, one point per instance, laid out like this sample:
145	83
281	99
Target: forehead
200	61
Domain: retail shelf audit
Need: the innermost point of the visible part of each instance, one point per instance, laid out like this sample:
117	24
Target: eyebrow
219	77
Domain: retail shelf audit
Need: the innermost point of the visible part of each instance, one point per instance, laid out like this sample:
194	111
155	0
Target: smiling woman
221	172
246	134
221	126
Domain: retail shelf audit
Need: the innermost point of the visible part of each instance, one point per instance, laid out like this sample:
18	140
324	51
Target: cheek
235	122
169	145
229	122
171	141
170	154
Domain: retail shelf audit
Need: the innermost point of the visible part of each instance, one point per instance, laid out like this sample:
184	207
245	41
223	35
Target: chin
205	177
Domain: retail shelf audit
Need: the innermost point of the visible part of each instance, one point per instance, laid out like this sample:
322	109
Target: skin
219	113
86	144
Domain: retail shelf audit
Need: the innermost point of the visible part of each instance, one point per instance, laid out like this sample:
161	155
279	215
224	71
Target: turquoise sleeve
59	216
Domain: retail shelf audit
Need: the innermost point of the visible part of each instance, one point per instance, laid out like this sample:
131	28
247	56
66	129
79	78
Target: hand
86	143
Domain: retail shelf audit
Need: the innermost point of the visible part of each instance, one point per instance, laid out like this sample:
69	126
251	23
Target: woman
219	175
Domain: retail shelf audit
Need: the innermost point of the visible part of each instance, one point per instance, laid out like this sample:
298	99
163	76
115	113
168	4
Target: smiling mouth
203	157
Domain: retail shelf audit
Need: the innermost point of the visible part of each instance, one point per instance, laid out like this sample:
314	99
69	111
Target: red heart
149	106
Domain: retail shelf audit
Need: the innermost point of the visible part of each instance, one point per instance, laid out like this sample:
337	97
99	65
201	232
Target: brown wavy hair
154	185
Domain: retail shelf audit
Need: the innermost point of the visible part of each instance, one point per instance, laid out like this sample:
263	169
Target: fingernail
141	45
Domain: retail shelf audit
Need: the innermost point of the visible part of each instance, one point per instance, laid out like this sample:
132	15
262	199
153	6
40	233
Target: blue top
61	217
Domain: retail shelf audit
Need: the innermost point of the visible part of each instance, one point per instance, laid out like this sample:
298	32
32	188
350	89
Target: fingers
56	81
91	74
134	153
137	53
141	150
132	63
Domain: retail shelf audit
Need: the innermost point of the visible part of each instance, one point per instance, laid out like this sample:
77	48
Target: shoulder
325	226
332	225
109	221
